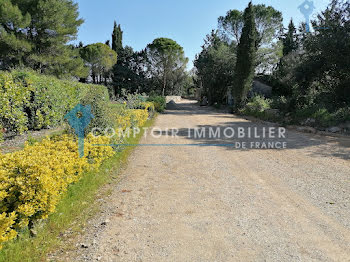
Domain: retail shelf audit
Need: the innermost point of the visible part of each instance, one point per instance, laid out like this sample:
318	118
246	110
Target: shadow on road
338	147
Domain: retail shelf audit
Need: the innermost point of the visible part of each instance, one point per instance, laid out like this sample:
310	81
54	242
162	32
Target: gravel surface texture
220	203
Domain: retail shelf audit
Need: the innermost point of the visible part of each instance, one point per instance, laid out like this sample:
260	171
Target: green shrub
323	117
159	102
132	100
342	115
257	107
98	98
281	103
257	104
2	131
13	97
32	101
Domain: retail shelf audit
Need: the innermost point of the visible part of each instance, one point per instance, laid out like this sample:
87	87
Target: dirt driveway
212	202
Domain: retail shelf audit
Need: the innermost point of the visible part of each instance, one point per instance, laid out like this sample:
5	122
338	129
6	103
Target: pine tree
246	54
290	42
117	38
36	34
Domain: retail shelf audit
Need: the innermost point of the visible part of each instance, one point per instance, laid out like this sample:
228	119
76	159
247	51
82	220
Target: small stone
334	129
83	245
33	233
105	222
307	129
309	121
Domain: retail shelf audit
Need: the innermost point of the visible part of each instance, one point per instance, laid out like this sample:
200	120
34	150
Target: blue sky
185	21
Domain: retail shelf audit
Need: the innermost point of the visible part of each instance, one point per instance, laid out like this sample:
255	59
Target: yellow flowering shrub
33	180
149	106
138	117
130	118
6	231
95	155
123	120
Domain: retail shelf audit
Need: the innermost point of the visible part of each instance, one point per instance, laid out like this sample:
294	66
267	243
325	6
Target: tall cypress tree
290	42
117	38
246	54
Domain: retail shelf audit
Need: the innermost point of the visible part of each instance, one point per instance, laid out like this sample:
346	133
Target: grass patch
75	208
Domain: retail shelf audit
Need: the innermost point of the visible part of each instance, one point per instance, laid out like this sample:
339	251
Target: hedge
30	101
159	102
33	180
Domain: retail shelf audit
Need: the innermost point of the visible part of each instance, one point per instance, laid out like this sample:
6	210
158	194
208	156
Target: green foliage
323	117
132	100
257	104
281	103
31	140
231	25
34	33
2	132
98	98
32	101
166	65
341	115
290	41
158	101
215	67
100	58
129	72
267	19
117	38
246	54
73	211
326	53
13	98
283	79
315	77
269	26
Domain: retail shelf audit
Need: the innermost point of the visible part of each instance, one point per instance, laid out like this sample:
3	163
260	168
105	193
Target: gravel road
213	202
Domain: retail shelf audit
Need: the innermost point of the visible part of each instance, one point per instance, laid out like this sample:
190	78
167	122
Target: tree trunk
164	84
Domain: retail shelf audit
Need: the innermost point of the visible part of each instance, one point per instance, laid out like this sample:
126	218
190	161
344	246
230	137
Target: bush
159	102
342	115
12	100
6	231
323	117
36	177
32	101
132	101
97	97
33	180
257	105
130	118
281	103
2	131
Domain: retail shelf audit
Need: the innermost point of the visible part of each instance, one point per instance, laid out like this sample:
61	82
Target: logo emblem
306	8
79	118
